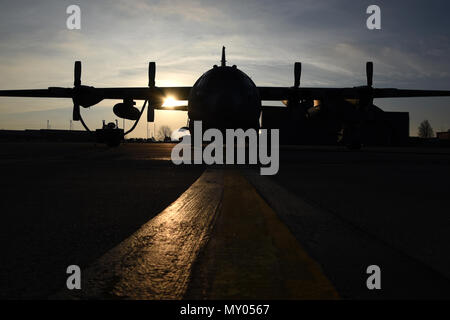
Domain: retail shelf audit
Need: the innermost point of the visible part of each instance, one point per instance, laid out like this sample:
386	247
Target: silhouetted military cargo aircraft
225	97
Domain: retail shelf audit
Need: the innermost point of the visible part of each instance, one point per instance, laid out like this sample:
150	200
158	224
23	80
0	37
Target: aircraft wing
38	93
401	93
87	96
143	93
267	93
284	93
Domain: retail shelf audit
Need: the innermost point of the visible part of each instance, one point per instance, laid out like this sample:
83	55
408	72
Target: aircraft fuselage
225	98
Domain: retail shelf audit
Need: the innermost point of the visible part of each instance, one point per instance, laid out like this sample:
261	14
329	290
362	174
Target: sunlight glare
170	102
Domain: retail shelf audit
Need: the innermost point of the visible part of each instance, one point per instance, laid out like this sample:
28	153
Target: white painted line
156	261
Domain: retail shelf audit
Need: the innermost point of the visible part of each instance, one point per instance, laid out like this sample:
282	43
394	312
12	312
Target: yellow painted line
250	254
155	262
253	255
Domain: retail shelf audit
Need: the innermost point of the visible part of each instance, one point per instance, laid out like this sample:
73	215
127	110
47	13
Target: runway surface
396	196
141	227
65	204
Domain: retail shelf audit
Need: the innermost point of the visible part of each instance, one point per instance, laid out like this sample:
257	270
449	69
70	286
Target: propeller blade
297	74
150	113
76	112
77	74
369	73
151	74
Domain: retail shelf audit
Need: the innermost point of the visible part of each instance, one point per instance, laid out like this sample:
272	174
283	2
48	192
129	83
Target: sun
170	102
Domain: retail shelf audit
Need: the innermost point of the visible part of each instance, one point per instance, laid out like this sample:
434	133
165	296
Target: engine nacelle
86	96
127	110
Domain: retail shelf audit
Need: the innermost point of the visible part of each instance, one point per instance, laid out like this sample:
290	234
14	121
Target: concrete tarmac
381	206
327	214
67	204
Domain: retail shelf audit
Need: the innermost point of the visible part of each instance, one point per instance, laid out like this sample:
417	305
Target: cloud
264	38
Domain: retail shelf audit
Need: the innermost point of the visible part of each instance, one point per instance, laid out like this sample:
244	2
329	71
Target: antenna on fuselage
223	62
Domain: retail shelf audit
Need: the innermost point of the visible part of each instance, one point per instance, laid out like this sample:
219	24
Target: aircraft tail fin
223	62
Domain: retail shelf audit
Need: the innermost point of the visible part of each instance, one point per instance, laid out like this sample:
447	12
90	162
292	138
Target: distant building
46	135
379	129
443	135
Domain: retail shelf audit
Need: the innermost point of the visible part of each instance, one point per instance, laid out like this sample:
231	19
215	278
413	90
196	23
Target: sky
264	38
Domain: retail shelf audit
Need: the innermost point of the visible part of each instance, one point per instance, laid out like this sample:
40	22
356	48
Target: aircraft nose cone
225	102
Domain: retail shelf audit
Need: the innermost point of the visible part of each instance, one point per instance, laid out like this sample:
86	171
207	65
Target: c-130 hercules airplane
226	98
